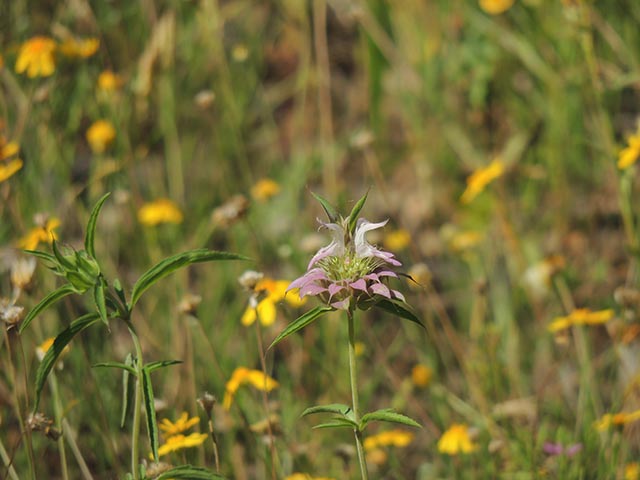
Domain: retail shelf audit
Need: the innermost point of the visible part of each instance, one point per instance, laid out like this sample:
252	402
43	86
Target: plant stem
353	379
57	408
135	433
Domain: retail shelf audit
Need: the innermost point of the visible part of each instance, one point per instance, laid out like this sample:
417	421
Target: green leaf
328	208
300	323
98	297
150	367
117	286
173	263
61	341
120	365
400	309
337	408
42	256
387	415
128	388
149	406
64	262
355	211
46	302
91	226
337	423
189	472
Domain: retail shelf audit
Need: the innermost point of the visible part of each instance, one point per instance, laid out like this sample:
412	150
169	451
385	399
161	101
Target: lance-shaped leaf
337	408
189	472
61	341
300	323
387	415
337	423
99	299
400	309
91	226
46	302
150	409
328	208
123	366
355	211
150	367
128	388
42	256
173	263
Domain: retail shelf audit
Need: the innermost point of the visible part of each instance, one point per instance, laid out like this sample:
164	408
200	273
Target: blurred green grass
406	98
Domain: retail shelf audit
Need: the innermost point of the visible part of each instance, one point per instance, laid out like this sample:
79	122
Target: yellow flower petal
36	57
496	7
9	169
478	180
179	442
395	438
456	440
242	375
421	375
159	211
397	240
100	135
264	189
183	423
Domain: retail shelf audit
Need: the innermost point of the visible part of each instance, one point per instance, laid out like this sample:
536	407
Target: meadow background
499	144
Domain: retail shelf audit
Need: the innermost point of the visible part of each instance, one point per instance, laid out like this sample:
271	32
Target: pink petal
342	304
311	276
380	289
311	289
334	288
359	284
398	295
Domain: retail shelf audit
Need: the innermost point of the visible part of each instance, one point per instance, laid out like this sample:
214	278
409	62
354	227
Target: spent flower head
349	272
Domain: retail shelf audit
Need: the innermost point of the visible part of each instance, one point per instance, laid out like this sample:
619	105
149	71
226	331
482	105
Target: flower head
349	271
580	316
79	48
478	180
496	7
183	423
179	442
159	211
108	81
557	449
241	376
264	189
100	135
616	419
36	57
43	233
421	375
9	164
390	438
629	155
456	440
274	291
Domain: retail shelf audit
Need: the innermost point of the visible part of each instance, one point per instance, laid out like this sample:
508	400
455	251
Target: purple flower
349	269
556	449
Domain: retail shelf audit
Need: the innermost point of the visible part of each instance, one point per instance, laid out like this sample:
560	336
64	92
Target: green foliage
46	302
150	410
301	322
355	211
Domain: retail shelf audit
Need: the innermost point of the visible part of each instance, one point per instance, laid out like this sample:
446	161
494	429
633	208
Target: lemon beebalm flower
397	240
242	376
183	423
264	189
478	180
100	135
580	316
275	291
79	47
108	81
629	155
456	440
180	442
36	57
159	211
496	7
41	234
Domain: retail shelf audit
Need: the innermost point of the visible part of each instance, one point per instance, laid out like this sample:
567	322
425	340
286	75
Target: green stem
57	409
137	405
353	378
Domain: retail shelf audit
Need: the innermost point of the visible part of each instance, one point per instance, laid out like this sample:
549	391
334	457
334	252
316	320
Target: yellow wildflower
79	48
40	234
159	211
580	316
629	155
305	476
390	438
397	240
8	166
275	291
183	423
239	52
377	456
108	81
264	189
44	347
421	375
455	440
179	442
496	7
465	240
616	419
100	135
478	180
241	376
36	57
632	471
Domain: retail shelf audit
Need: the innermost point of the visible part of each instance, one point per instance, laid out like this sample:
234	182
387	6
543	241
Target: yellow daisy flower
632	471
390	438
275	291
159	211
79	48
41	234
264	189
496	7
36	57
629	155
397	240
478	180
108	81
241	376
183	423
616	419
580	316
421	375
100	135
179	442
456	440
8	166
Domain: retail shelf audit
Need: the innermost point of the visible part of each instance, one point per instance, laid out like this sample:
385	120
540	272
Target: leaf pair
346	418
334	216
